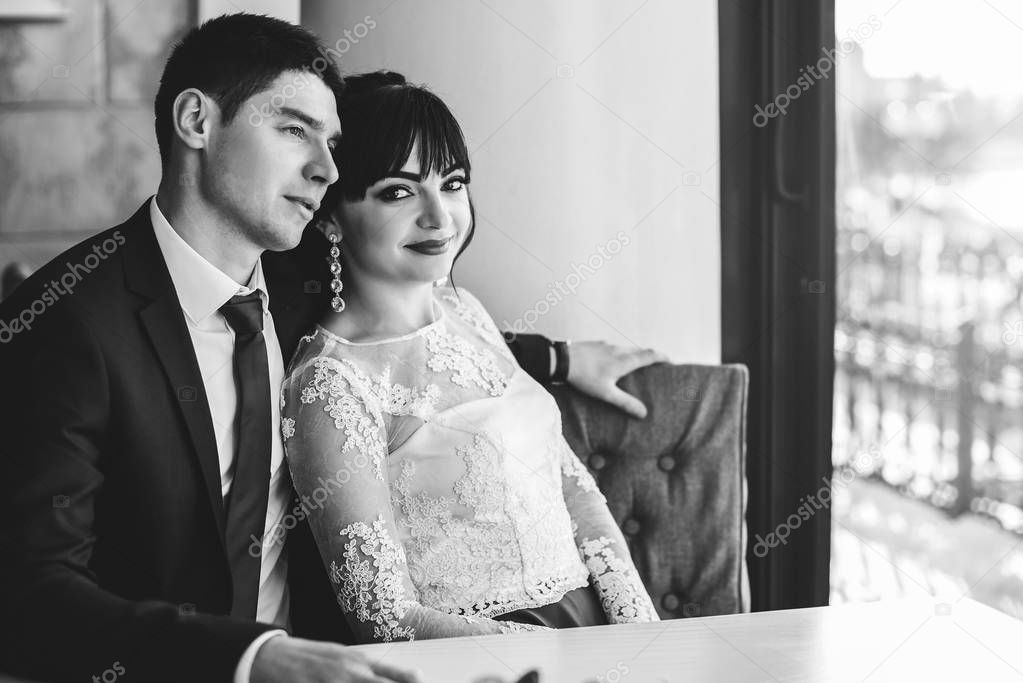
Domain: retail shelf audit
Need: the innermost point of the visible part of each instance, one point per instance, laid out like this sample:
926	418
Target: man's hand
308	661
595	366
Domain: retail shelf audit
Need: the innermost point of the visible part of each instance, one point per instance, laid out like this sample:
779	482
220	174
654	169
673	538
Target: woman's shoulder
319	360
452	296
463	304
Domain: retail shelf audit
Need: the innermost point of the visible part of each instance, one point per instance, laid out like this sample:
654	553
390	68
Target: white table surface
882	641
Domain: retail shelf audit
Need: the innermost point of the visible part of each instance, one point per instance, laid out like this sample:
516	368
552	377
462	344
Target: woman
456	506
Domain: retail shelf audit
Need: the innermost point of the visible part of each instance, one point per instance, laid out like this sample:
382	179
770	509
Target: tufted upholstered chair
675	481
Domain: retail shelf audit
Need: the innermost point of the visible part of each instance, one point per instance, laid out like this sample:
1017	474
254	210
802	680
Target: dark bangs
382	119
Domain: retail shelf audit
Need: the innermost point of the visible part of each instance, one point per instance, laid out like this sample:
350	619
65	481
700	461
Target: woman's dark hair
382	118
233	57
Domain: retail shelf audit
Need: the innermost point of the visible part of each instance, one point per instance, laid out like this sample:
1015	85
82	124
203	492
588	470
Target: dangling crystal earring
337	303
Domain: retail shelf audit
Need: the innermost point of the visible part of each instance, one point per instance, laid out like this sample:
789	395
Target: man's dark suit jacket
113	524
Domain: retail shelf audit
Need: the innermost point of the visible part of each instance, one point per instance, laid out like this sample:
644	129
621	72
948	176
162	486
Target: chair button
630	527
666	463
670	602
597	461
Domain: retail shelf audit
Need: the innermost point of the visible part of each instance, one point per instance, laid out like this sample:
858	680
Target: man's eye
297	131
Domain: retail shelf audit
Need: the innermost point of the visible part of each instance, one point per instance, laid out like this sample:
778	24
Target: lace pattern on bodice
461	500
468	364
479	562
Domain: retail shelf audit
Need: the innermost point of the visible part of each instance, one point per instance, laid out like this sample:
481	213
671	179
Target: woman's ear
193	113
329	225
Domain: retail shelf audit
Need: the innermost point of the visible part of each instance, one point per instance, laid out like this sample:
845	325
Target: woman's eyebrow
417	178
414	177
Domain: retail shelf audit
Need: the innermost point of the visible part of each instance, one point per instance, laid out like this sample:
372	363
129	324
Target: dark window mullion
778	280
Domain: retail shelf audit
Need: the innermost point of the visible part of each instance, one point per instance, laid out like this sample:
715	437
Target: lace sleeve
336	445
602	546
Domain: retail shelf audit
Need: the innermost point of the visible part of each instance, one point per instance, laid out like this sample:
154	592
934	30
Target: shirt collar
202	287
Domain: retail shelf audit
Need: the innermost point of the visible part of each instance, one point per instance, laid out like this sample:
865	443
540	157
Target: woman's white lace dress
438	484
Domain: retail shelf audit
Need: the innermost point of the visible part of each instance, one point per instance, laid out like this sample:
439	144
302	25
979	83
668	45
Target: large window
928	407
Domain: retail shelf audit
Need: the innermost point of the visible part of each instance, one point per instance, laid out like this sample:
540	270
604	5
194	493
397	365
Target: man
142	369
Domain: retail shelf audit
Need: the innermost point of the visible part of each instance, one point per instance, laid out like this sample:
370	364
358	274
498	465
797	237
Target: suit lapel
166	327
164	322
297	281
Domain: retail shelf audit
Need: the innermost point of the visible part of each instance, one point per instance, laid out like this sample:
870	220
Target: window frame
778	231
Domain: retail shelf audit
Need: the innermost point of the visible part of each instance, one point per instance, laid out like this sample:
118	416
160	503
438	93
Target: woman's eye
297	131
455	184
394	193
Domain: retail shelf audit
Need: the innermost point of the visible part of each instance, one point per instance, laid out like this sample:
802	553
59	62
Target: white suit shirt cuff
244	668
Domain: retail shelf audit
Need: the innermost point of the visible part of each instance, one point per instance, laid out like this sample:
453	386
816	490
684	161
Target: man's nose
322	168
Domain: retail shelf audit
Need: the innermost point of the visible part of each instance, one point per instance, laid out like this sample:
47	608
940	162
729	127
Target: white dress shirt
202	289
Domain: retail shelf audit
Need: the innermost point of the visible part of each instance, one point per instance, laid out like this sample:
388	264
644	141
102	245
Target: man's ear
193	115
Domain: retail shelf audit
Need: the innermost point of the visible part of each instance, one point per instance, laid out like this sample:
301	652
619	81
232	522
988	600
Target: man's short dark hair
233	57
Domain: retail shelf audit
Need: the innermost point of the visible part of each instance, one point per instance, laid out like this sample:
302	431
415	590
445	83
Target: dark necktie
247	499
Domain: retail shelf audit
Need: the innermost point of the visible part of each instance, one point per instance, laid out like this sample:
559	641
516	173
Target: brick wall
77	148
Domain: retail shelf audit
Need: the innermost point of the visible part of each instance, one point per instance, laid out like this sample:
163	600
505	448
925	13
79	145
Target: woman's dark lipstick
430	247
